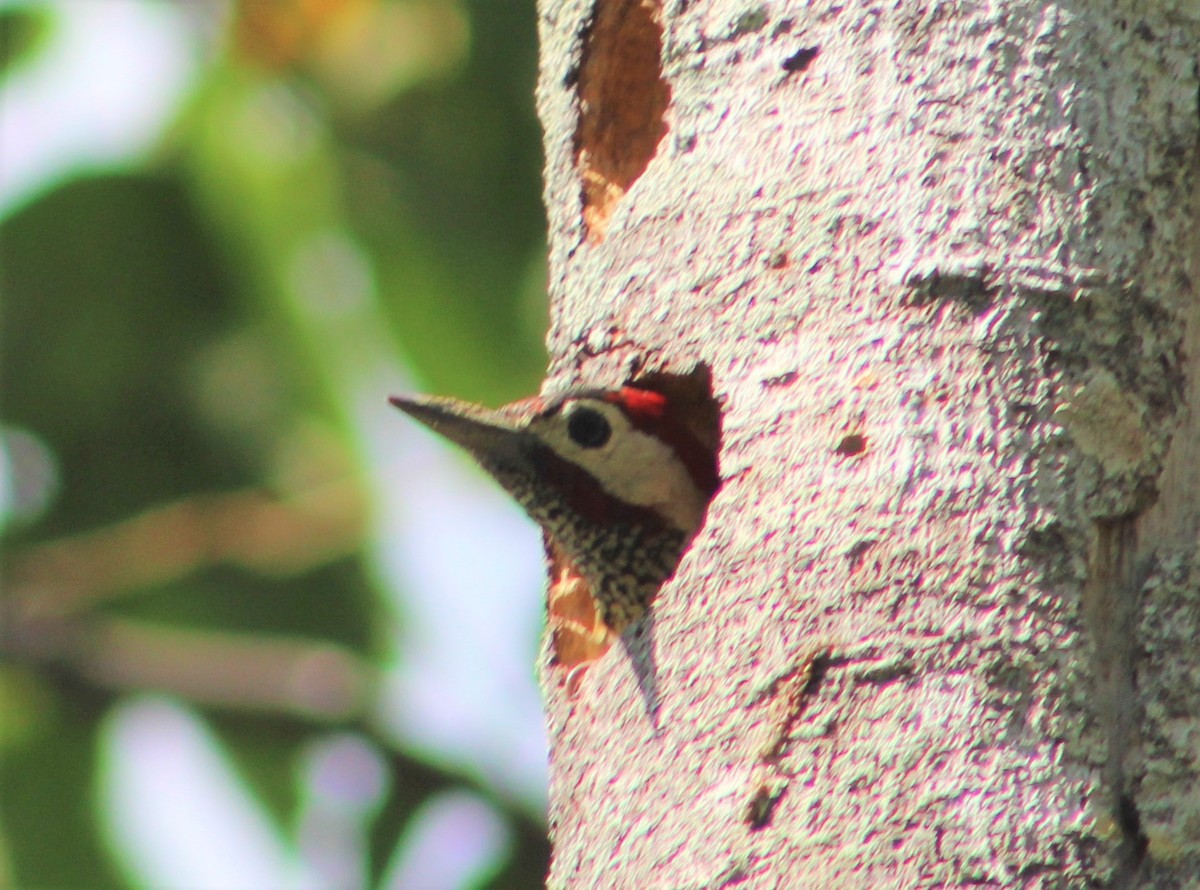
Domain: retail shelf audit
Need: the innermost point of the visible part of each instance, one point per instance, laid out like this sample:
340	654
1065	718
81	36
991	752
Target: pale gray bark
968	234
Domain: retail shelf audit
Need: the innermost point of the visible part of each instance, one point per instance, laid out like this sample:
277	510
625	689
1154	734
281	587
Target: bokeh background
256	628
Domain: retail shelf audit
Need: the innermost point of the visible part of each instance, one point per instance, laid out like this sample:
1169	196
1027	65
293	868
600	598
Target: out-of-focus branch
318	679
311	679
242	671
246	529
315	680
46	614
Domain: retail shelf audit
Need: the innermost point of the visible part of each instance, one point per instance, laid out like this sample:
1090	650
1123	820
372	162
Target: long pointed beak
487	434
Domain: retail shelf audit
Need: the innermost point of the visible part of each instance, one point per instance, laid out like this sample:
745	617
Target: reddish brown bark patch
578	636
852	444
623	99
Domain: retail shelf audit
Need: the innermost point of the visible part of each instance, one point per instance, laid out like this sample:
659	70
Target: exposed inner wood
623	99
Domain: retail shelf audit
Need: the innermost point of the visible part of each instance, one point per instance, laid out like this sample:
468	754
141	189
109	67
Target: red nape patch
642	405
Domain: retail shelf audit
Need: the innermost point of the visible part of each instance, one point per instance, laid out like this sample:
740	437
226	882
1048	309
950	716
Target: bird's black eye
588	428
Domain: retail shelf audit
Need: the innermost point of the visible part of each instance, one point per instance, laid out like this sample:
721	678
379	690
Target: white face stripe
632	466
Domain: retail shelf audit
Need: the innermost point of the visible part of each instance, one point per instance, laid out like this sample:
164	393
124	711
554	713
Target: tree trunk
940	626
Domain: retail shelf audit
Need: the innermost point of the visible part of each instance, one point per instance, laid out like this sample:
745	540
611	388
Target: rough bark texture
942	262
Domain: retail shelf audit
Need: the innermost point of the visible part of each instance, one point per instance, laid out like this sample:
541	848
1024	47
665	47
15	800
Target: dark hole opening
800	59
852	444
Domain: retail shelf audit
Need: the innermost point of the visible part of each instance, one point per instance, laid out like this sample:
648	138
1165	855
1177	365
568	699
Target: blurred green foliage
181	337
22	32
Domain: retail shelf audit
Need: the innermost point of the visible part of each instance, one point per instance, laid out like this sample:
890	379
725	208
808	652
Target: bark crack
1110	608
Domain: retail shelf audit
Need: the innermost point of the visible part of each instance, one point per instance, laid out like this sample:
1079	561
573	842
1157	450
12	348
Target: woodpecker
615	478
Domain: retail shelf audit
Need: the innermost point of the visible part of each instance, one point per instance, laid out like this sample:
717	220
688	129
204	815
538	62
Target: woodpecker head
614	477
